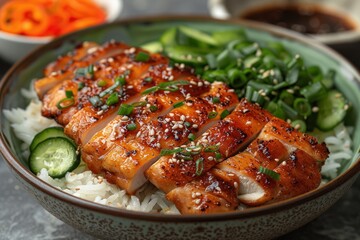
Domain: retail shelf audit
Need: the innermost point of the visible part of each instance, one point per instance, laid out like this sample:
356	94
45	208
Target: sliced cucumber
153	47
332	110
57	155
48	133
198	36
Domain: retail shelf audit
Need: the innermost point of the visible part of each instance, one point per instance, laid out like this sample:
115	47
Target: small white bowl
347	43
13	47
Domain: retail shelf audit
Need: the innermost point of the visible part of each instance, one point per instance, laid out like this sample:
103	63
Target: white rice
84	184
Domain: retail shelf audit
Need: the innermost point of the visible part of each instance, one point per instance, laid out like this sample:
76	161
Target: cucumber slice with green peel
198	36
332	110
57	155
153	47
48	133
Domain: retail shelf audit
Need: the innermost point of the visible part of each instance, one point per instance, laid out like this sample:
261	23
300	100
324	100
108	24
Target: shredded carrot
49	17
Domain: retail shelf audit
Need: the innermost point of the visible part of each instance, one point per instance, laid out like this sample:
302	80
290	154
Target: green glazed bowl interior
137	32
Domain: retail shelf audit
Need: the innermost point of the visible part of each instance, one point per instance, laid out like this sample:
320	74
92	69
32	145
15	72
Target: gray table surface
21	217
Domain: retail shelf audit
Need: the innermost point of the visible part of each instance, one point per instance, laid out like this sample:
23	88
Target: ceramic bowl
105	222
13	47
347	43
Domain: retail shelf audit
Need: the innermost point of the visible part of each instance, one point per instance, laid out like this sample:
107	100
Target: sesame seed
166	130
195	126
138	134
171	78
193	195
231	90
175	127
110	60
200	84
152	132
189	104
218	189
130	87
315	109
210	158
167	119
182	118
124	118
197	194
230	174
346	107
236	184
276	160
283	163
193	82
182	66
248	123
166	92
197	201
198	111
171	114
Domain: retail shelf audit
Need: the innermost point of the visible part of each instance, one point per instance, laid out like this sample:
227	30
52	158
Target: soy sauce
301	18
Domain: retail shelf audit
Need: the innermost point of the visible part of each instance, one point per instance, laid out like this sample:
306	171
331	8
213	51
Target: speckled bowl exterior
265	222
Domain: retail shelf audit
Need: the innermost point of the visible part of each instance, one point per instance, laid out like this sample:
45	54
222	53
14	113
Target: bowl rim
116	9
30	178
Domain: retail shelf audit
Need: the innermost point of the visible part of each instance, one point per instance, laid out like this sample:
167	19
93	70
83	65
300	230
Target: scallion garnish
224	114
212	148
95	101
191	137
142	57
153	108
101	83
131	126
148	79
85	72
199	164
165	152
65	103
69	94
270	173
119	81
215	100
166	86
125	109
139	104
218	156
178	104
187	124
302	106
112	99
212	115
81	85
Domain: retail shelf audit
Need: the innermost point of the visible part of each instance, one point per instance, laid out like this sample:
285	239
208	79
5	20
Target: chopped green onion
142	57
85	72
212	148
121	80
187	124
299	125
191	137
292	76
314	91
270	173
125	109
165	152
101	83
65	103
224	114
302	106
212	115
112	99
131	126
69	94
95	101
289	111
139	104
81	85
215	100
148	79
199	166
178	104
287	97
166	86
153	108
218	156
185	155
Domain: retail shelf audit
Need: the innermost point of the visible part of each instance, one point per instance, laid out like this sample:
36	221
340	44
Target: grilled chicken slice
128	162
154	105
229	136
64	62
298	171
298	174
102	55
213	192
281	130
103	77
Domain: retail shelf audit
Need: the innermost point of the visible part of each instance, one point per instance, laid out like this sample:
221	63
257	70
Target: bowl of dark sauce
332	22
